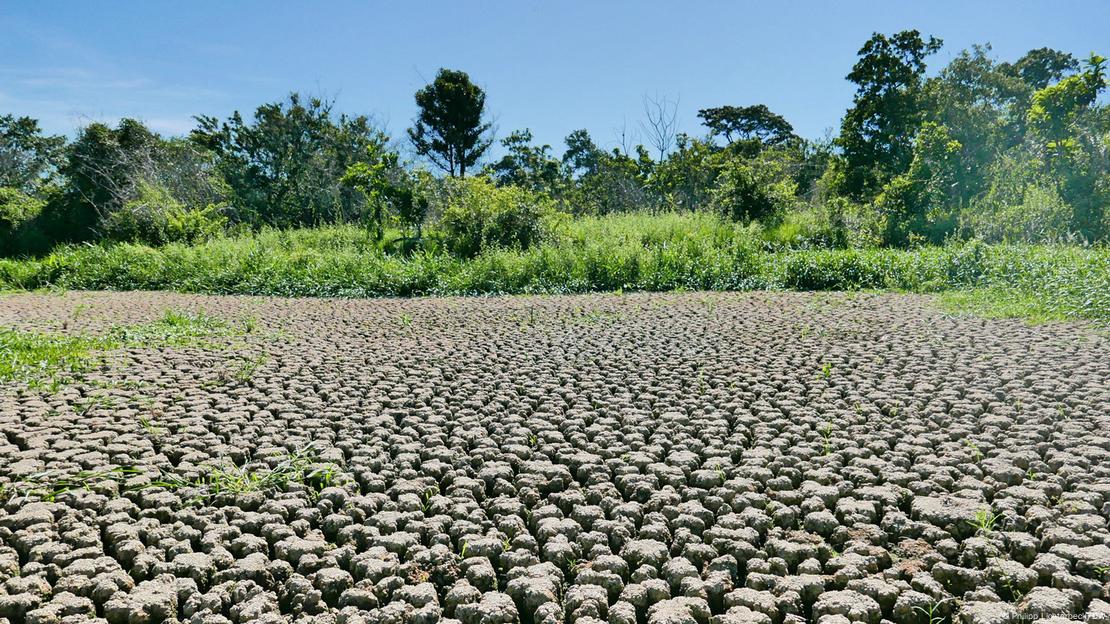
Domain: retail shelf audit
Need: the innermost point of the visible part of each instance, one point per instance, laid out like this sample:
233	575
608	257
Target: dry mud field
680	458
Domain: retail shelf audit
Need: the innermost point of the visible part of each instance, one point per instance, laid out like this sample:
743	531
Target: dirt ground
675	458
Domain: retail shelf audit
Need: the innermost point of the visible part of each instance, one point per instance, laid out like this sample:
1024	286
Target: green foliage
195	225
19	223
449	128
1055	108
51	359
27	157
919	205
528	166
155	217
174	328
390	189
479	216
1040	215
877	132
45	359
606	182
686	178
629	252
753	189
103	169
284	166
752	127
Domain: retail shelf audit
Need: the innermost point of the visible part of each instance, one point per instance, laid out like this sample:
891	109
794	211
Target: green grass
629	252
49	360
173	329
43	359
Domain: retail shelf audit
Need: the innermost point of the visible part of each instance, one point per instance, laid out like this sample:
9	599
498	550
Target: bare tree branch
661	127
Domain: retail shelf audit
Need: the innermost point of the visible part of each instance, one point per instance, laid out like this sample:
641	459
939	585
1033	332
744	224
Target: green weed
985	520
826	435
933	612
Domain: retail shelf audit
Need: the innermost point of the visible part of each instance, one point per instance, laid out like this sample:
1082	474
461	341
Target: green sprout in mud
149	427
572	567
826	371
984	520
244	371
933	612
99	401
404	319
975	451
429	493
49	485
300	466
826	435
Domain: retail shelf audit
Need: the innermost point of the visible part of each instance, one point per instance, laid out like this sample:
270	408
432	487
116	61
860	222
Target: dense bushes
18	215
155	217
478	216
753	190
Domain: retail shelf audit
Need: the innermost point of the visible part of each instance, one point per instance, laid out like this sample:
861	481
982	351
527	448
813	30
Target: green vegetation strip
301	466
51	359
626	252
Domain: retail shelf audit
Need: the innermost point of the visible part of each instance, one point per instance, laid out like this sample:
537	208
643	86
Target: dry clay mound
686	458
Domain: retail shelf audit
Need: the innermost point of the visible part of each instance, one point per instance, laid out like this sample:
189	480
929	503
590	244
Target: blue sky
550	66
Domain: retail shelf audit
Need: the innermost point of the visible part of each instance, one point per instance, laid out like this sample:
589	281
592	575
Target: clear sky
552	66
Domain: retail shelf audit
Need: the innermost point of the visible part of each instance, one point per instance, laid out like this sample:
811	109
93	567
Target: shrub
753	189
194	225
1041	216
155	217
478	215
18	223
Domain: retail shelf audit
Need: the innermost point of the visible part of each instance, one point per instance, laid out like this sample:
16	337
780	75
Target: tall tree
1043	66
754	127
449	129
878	131
27	156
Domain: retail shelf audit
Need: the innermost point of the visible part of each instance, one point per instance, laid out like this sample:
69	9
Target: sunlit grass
48	359
627	252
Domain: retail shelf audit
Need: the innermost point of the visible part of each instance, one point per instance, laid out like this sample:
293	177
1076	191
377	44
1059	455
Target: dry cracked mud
680	458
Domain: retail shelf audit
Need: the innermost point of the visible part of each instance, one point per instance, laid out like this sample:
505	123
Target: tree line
999	150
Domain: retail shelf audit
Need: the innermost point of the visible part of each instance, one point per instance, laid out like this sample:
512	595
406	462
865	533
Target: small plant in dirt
984	520
300	466
149	427
975	451
826	371
933	612
826	435
49	485
243	370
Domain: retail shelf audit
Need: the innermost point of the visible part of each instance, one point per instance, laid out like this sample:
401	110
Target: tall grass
626	252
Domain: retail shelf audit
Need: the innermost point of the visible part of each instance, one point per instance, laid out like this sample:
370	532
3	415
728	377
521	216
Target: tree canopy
450	129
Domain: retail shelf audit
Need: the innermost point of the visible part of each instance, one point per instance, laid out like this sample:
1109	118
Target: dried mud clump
639	459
